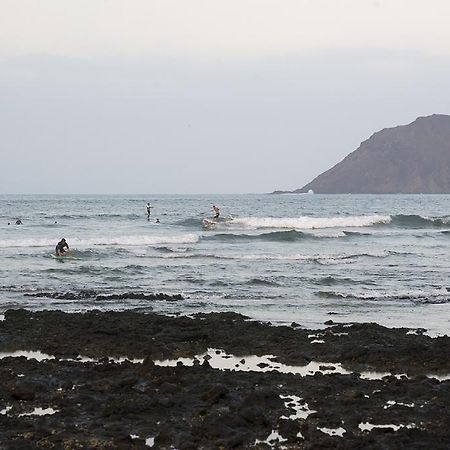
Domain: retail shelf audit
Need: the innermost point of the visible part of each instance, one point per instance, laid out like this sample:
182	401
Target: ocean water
282	258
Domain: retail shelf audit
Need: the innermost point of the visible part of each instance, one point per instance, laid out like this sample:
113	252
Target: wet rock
254	415
167	387
101	403
187	445
289	428
90	294
80	295
23	391
166	402
123	441
215	393
163	439
148	363
139	296
324	367
237	440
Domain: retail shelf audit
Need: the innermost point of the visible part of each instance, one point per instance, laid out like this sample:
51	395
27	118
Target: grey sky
186	96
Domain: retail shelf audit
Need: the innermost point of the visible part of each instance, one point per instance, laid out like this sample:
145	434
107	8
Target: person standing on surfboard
216	212
61	248
149	210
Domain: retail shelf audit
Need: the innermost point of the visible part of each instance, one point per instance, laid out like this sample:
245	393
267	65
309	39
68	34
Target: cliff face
408	159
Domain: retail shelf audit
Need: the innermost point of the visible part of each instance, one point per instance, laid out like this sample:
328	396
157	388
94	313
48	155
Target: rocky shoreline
109	380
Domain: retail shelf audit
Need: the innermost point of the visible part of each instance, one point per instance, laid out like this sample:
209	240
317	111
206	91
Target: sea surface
281	258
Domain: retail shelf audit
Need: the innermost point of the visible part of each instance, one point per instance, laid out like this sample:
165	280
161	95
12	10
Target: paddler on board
216	211
62	248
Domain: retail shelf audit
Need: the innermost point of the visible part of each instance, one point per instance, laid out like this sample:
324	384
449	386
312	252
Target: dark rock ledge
99	405
89	294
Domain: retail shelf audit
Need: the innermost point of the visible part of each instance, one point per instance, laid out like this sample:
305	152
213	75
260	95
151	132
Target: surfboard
67	254
208	223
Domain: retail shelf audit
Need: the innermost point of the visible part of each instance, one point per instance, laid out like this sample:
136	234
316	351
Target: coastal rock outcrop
127	380
408	159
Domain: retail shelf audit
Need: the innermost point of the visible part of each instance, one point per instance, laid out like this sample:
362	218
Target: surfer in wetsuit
149	210
61	248
216	212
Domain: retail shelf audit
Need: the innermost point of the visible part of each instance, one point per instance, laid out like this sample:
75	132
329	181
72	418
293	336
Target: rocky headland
408	159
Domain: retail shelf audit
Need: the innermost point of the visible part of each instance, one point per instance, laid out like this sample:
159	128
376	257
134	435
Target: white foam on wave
263	257
438	295
308	223
124	240
326	259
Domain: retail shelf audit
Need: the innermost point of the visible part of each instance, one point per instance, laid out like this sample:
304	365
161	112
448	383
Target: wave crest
433	296
309	223
124	240
282	236
416	221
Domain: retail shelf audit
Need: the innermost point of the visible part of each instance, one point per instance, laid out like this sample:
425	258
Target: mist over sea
282	258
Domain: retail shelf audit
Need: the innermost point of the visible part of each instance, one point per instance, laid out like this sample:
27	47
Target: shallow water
281	258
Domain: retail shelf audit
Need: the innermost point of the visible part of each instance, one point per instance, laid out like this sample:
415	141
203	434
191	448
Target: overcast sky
208	96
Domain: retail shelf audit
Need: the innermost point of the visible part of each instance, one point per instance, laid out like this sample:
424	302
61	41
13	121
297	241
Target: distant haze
177	96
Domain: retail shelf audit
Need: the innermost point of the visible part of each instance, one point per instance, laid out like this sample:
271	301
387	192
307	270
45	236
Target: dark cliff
408	159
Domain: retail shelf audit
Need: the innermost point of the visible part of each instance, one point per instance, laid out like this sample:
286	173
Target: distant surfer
61	248
18	222
157	221
149	209
216	212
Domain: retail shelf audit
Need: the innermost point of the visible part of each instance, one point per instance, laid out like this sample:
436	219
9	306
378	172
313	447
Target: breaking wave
331	281
355	233
126	241
313	223
347	259
262	282
190	222
415	221
434	296
309	223
281	236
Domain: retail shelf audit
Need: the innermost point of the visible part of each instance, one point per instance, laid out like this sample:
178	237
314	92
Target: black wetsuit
61	247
